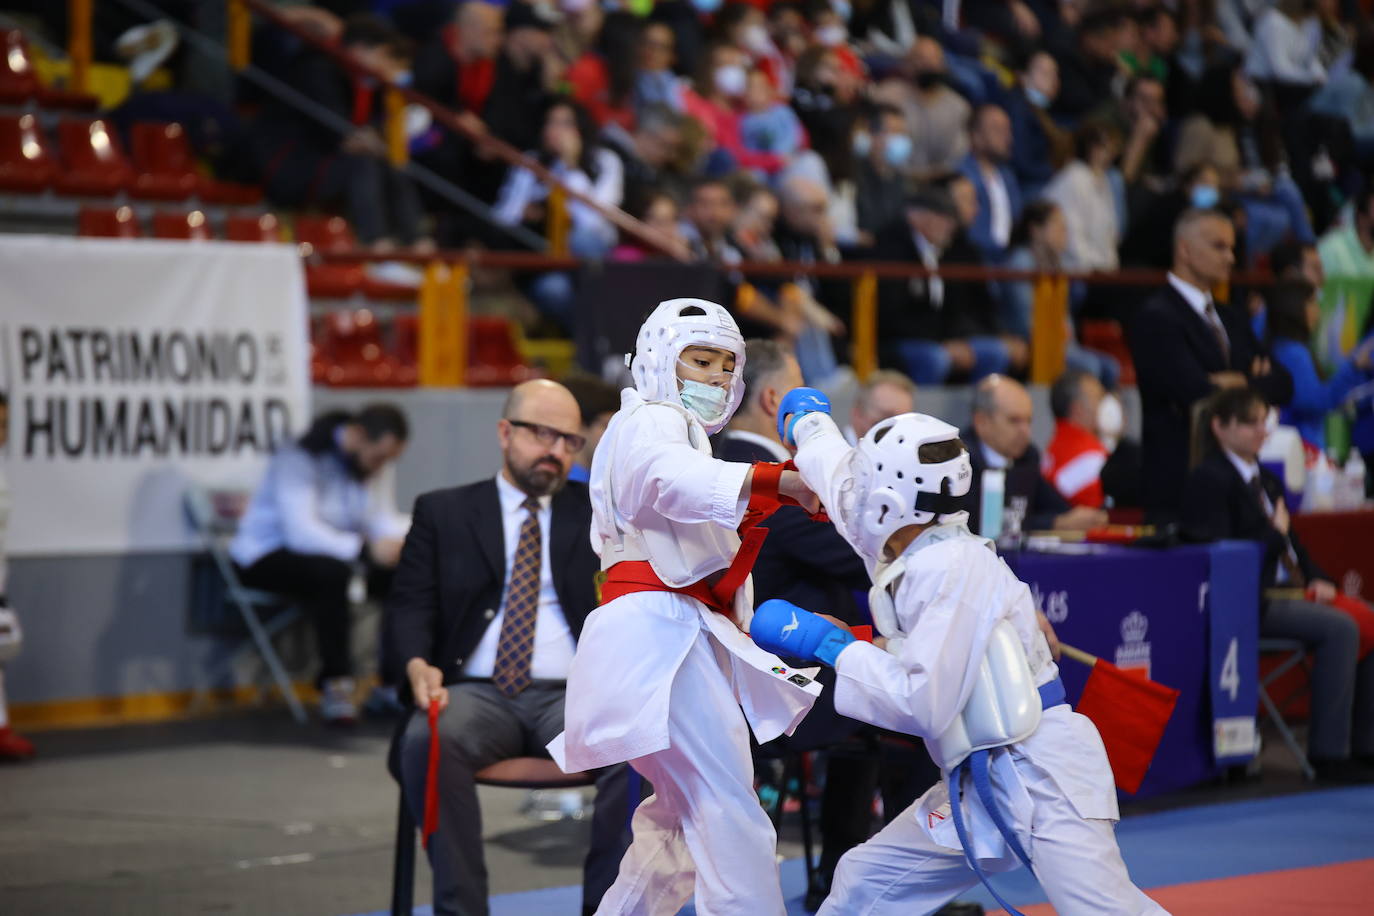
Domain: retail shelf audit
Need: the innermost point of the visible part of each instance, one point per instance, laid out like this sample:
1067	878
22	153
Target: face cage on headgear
667	332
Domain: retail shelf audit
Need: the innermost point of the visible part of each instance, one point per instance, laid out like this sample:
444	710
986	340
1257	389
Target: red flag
431	823
1130	713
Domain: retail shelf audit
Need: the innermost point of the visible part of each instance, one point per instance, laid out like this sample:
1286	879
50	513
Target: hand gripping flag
1130	713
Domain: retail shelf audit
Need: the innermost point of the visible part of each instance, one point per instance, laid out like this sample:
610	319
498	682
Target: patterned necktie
1287	559
1219	332
515	649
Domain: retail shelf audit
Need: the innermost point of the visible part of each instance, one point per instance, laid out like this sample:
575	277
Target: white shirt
1199	300
1285	50
1248	471
930	257
1090	211
999	206
773	446
553	640
994	459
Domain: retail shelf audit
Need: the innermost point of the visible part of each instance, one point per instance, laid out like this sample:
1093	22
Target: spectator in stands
659	211
1140	118
482	565
936	115
826	97
1039	243
458	66
13	746
805	561
1159	38
1121	475
931	327
805	234
1149	239
1184	345
987	166
1292	314
715	100
1090	70
883	171
709	215
597	402
744	26
1075	456
769	125
1039	146
1283	53
656	83
314	521
1291	260
528	70
1348	250
787	29
1230	496
1238	133
604	69
756	216
883	394
568	149
306	164
1348	95
650	152
1083	190
1000	438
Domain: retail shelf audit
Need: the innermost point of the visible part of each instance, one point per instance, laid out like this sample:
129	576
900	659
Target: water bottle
1354	474
1320	495
994	494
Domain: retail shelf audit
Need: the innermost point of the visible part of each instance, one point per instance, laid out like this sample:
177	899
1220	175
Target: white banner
135	368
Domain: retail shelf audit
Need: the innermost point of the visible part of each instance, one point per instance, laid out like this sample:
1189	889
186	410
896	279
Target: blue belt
976	764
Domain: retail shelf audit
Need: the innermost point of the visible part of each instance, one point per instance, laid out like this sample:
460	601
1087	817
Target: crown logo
1134	626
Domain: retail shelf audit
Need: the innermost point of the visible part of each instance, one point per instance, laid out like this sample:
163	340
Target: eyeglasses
547	435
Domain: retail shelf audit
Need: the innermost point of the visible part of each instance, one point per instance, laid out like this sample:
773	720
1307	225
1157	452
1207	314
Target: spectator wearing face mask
826	98
716	101
1039	146
1122	472
884	151
936	115
769	125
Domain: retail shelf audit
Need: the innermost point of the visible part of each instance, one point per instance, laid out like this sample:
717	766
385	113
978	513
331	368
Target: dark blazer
805	562
1174	351
904	307
448	584
1219	506
1043	502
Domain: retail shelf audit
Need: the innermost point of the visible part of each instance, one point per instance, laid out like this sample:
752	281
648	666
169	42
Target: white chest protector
1005	705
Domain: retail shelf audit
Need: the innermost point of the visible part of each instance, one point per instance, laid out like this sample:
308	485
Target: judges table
1187	617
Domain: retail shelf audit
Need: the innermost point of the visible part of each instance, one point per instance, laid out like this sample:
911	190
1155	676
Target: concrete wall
126	624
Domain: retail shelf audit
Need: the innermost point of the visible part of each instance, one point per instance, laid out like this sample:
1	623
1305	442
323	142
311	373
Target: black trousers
319	585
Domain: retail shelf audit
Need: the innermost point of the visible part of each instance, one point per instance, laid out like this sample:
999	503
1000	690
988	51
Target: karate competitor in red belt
964	665
664	666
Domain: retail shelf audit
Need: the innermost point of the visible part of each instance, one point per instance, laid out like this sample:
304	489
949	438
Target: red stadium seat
493	359
19	83
108	222
93	162
405	349
333	279
264	227
191	226
25	163
165	166
1105	336
353	352
228	193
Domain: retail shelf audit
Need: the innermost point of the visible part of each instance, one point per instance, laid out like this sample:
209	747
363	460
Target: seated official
494	584
885	393
1001	438
1230	496
315	521
1075	457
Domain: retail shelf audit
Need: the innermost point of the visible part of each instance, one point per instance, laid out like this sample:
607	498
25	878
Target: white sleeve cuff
729	500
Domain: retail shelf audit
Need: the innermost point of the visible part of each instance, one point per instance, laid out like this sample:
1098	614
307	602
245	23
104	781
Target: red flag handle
432	777
1077	654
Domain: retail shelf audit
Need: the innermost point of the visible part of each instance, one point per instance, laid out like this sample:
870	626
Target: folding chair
216	526
514	773
1296	653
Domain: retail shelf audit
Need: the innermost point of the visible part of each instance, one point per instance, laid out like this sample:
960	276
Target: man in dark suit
1000	439
1229	495
494	584
1185	347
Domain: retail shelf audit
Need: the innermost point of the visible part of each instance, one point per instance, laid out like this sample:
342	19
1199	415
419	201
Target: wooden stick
1077	655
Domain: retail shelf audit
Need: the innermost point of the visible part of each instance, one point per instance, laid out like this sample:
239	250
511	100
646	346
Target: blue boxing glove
796	404
785	629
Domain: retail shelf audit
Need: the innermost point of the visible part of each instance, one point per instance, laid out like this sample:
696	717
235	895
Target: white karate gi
659	679
1054	788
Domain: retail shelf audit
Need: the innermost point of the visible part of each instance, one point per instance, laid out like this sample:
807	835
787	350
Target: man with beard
494	583
999	195
315	520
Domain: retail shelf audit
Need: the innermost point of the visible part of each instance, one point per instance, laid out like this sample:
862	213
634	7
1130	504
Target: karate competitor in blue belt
964	665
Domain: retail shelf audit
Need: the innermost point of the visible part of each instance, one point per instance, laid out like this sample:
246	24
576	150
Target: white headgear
893	488
673	327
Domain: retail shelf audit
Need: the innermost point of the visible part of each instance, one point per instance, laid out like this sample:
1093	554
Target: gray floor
255	815
250	814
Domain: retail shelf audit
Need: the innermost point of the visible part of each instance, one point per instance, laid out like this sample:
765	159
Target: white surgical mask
863	142
832	36
706	401
1110	421
897	149
1037	98
755	38
731	80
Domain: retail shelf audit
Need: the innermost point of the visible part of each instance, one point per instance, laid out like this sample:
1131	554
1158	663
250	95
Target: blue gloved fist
785	629
796	404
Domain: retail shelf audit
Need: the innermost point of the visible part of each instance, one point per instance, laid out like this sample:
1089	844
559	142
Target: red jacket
1073	465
